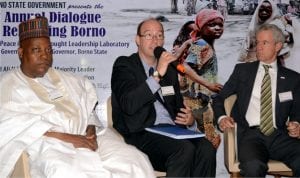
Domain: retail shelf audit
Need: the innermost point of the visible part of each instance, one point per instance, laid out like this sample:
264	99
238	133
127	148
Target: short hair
138	32
277	33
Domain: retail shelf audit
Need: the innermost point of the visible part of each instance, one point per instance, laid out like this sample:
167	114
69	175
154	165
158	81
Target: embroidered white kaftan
30	107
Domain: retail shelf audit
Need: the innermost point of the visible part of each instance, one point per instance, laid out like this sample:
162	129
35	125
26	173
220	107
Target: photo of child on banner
202	59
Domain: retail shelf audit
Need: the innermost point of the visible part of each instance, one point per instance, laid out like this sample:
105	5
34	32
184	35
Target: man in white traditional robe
51	115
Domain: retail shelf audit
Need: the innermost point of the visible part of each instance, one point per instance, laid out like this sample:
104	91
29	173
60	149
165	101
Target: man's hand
293	128
165	59
226	122
78	141
92	142
91	135
185	117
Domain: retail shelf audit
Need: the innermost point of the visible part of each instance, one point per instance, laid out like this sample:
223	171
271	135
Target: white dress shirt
253	111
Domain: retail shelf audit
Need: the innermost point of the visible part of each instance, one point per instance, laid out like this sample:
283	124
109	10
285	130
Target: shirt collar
273	65
147	67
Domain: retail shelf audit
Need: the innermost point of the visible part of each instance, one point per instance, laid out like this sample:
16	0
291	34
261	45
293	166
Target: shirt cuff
192	127
220	118
153	84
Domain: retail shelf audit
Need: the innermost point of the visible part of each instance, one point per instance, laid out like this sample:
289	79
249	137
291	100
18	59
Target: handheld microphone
157	53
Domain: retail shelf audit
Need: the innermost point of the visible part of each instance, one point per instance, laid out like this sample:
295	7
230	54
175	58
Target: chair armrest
230	149
228	104
109	119
230	145
22	167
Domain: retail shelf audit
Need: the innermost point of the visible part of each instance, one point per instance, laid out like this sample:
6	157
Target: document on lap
174	131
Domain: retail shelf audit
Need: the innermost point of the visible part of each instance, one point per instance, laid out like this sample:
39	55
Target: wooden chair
21	169
276	168
110	123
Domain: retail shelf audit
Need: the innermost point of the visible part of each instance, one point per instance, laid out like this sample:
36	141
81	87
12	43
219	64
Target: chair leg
235	175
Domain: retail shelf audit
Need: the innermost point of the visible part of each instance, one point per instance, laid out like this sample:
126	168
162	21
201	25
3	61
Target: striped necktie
266	115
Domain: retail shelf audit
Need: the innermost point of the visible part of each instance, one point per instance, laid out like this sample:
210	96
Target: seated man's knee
57	168
180	162
206	150
185	152
209	147
254	168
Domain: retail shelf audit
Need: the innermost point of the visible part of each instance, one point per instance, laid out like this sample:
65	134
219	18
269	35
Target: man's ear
20	53
278	46
137	40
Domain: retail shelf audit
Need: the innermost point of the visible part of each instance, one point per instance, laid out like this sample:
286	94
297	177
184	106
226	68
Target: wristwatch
156	74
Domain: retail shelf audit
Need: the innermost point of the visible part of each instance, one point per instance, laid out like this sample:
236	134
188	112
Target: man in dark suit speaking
267	109
145	92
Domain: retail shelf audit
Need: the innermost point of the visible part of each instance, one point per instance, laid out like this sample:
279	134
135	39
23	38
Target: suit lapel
250	76
162	83
140	66
281	79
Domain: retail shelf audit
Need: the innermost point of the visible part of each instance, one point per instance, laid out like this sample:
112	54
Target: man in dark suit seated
267	109
140	100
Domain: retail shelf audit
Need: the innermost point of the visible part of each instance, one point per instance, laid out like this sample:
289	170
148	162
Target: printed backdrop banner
83	35
87	36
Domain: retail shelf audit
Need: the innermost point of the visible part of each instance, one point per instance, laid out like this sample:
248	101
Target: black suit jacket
241	83
132	100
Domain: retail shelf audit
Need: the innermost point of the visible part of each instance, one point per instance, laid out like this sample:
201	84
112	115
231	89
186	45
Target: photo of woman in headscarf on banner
267	12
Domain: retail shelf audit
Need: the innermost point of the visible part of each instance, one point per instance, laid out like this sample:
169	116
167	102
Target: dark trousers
179	158
255	149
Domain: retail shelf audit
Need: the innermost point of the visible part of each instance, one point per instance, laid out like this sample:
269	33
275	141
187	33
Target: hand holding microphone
164	59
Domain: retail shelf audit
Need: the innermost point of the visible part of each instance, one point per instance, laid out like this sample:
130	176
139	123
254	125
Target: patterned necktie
266	115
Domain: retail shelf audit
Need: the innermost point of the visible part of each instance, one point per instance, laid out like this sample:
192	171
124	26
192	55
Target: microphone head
158	51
